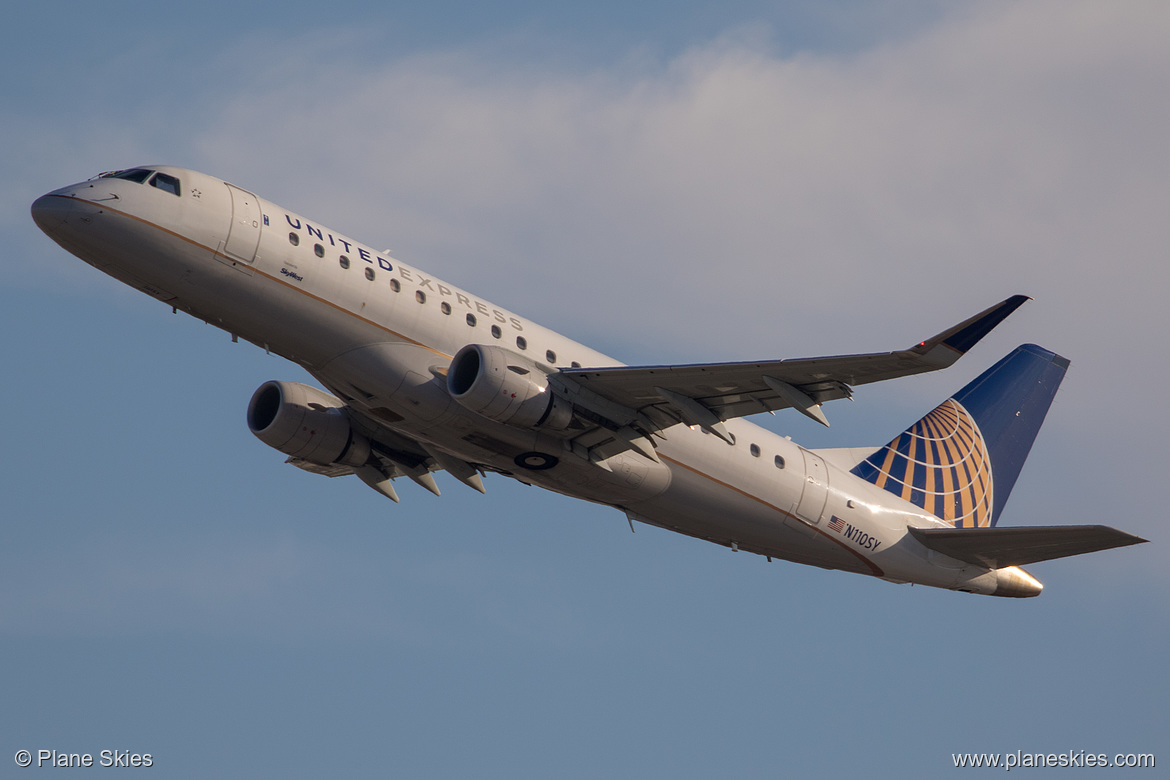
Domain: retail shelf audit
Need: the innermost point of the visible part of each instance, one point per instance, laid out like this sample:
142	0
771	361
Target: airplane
422	376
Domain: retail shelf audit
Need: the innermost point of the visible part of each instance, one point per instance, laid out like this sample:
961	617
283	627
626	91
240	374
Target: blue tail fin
960	461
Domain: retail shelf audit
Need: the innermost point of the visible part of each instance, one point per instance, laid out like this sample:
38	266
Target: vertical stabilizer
960	461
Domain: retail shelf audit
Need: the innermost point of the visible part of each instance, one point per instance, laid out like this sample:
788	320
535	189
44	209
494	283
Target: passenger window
318	250
420	296
522	342
294	239
471	320
165	183
755	451
779	461
343	261
395	285
370	274
550	356
445	307
496	332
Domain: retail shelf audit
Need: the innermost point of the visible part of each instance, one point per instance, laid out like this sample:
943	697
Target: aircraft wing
705	394
395	455
999	547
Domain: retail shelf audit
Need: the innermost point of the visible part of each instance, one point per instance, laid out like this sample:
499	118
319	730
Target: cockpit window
167	183
134	174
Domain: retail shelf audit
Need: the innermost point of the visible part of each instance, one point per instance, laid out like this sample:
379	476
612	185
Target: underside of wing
653	398
996	548
362	442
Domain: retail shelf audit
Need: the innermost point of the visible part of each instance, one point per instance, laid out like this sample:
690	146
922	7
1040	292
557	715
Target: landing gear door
816	488
244	233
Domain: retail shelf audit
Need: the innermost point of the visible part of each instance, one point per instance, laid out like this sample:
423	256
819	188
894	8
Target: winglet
947	347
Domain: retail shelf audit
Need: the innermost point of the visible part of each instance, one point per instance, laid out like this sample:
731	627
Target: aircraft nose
51	211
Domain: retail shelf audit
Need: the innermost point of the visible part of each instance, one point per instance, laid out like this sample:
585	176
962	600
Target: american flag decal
837	524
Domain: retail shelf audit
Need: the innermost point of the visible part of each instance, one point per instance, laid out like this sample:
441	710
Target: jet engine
306	423
506	387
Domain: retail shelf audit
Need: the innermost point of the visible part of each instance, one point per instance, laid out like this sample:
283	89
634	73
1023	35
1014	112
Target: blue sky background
667	182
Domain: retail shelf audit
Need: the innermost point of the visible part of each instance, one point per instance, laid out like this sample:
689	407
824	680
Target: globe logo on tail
940	464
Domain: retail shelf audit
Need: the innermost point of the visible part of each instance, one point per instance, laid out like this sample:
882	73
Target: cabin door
816	488
244	233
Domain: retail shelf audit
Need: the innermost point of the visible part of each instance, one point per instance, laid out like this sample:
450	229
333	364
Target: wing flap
331	470
996	548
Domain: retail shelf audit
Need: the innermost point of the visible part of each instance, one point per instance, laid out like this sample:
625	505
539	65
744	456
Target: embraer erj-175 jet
423	376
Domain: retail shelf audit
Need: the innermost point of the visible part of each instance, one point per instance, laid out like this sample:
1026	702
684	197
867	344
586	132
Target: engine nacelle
306	423
506	387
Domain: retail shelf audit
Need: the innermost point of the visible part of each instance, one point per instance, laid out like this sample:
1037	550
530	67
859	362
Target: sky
667	182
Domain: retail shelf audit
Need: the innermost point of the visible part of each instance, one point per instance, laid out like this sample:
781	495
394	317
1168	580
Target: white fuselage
380	334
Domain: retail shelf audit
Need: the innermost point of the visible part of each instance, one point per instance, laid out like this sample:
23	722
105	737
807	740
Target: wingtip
967	334
1016	301
1129	538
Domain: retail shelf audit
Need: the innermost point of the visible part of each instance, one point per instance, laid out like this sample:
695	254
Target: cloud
1013	148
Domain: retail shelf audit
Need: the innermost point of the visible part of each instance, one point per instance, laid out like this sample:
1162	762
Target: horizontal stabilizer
996	548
